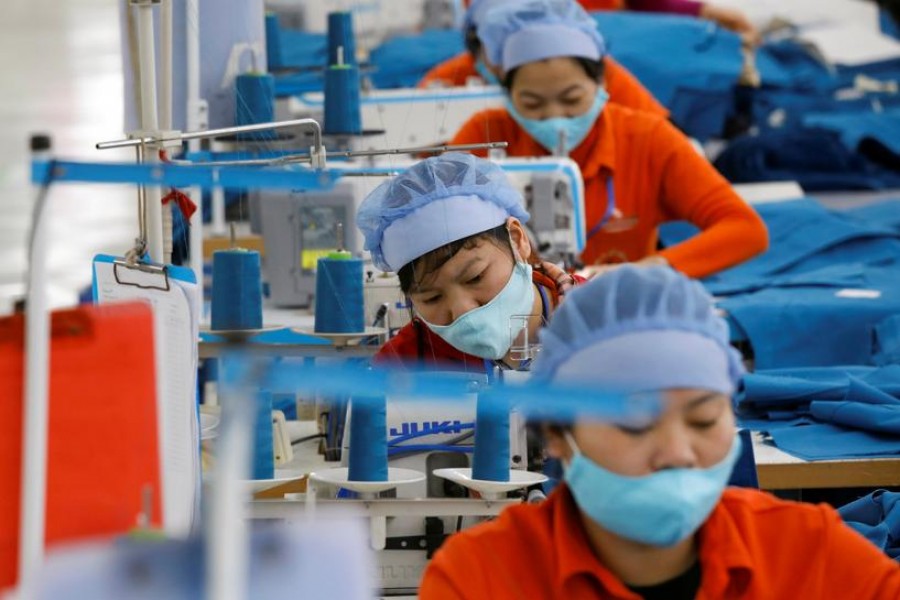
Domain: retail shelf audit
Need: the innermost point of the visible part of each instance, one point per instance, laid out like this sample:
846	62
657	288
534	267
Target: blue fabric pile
877	518
824	292
690	65
825	412
402	61
826	126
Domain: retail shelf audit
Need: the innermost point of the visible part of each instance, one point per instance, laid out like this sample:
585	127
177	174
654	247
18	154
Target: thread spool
236	290
340	307
342	104
368	459
263	444
340	35
491	457
273	42
255	103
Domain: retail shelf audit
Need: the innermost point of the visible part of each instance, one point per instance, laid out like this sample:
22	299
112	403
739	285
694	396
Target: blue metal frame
207	177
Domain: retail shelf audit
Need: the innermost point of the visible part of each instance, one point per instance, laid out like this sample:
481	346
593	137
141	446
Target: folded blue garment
816	159
882	214
877	518
816	326
829	442
798	231
789	65
835	276
854	127
780	389
825	413
865	417
886	343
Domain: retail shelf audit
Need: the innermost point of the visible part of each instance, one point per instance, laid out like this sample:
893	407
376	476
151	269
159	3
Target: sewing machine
410	541
299	227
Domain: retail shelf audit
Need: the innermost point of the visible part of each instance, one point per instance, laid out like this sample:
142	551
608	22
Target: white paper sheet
176	330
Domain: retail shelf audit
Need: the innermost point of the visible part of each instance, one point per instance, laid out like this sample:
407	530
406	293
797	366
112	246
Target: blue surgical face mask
485	331
547	132
660	509
486	74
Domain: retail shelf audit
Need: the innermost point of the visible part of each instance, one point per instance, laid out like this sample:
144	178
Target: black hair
471	41
437	258
592	68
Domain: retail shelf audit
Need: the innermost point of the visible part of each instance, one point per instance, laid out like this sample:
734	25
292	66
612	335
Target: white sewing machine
298	228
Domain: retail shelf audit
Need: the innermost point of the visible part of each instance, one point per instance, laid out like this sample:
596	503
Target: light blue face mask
485	73
485	331
660	509
547	132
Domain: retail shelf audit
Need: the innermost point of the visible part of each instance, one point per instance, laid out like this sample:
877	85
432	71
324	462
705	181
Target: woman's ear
519	239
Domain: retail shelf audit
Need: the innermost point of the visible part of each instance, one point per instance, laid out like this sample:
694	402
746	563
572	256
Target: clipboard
173	296
103	440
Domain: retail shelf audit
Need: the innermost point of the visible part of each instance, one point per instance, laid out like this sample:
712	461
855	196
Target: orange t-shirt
657	176
623	87
752	547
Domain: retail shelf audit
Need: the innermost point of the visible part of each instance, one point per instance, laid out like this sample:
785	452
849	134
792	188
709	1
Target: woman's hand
592	271
564	281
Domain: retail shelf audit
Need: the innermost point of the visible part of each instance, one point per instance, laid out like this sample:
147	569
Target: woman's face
555	87
470	279
695	430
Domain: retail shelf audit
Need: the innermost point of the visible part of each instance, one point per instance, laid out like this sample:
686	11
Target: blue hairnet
684	338
515	33
480	185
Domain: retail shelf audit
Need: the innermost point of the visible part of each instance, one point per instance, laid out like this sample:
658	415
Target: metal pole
149	122
311	124
35	405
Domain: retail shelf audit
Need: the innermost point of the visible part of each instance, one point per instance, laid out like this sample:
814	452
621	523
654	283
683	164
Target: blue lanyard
610	209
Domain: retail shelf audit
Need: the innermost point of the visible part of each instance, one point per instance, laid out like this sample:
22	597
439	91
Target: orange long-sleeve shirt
752	547
623	87
657	176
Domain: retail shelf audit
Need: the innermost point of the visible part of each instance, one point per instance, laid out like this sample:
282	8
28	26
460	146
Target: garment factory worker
622	86
451	227
639	170
644	512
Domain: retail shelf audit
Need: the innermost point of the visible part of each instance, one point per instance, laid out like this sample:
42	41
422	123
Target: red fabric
657	177
752	547
593	5
623	87
183	201
403	349
678	7
103	447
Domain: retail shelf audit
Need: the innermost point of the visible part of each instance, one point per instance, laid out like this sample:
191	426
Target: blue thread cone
237	293
254	95
368	440
491	459
339	295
